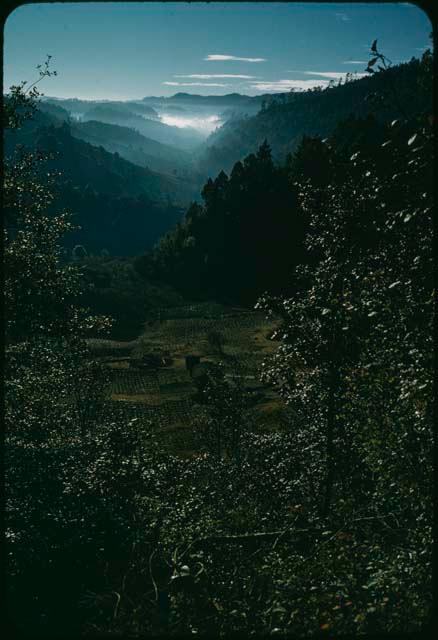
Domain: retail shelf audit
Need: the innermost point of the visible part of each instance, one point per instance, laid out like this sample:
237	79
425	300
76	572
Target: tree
223	429
355	362
48	395
216	340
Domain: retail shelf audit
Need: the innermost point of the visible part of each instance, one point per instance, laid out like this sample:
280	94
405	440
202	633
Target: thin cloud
333	75
208	76
195	84
355	62
219	57
343	17
287	85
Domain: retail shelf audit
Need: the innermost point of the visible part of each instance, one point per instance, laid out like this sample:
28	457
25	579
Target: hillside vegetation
133	146
227	471
119	206
284	120
247	237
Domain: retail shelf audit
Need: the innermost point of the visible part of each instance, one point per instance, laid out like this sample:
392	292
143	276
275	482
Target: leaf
374	46
412	139
372	62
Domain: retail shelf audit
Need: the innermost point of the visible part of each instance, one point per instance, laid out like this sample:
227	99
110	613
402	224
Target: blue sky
131	50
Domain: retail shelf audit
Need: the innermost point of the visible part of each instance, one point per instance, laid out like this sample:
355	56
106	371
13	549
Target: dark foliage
323	526
284	120
247	236
117	205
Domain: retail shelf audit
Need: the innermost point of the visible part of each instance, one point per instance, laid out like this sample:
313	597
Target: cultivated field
149	379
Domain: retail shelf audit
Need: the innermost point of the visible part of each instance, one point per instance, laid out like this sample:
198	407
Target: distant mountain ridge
138	149
285	118
229	99
119	206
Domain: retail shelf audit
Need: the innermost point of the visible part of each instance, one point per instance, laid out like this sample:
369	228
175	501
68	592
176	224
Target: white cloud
333	75
286	85
208	76
303	84
224	58
343	17
355	62
195	84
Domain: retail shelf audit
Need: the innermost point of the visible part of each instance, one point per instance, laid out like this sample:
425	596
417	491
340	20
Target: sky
121	51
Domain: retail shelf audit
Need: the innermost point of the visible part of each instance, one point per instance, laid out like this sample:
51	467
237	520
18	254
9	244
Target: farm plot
111	348
164	399
127	382
173	375
201	310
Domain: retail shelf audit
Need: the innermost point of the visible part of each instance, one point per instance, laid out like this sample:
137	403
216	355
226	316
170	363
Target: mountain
225	106
227	100
78	107
133	114
284	119
143	109
136	148
54	110
113	113
186	139
248	234
119	206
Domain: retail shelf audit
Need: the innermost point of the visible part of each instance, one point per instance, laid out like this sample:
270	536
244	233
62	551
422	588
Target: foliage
286	118
355	357
217	340
223	428
322	527
226	248
113	287
51	386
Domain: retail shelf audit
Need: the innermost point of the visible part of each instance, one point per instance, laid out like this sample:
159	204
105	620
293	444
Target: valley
151	380
219	312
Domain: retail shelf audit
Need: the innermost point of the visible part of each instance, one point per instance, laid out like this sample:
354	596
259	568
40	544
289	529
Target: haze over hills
198	115
120	206
219	130
128	149
135	147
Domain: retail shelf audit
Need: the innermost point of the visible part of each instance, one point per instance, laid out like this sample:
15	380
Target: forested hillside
283	120
136	148
258	459
78	108
119	206
248	235
186	139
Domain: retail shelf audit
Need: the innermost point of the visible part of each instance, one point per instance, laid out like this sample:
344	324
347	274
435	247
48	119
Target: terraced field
149	379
